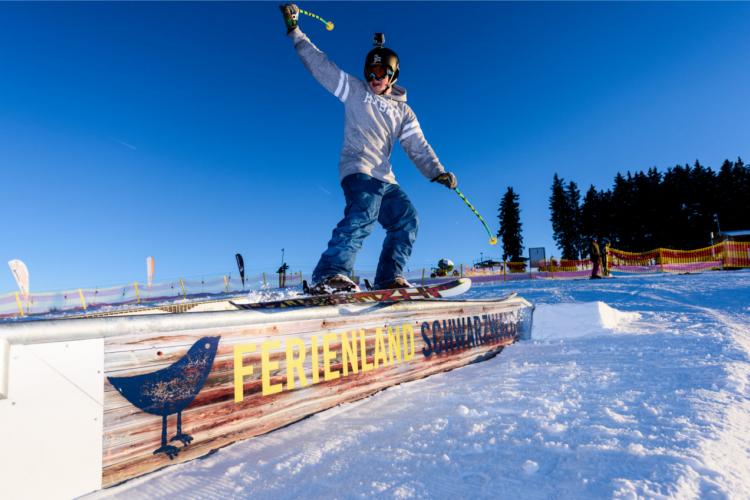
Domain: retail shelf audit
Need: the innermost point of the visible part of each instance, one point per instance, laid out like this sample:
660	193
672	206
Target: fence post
423	276
462	270
137	293
264	279
182	285
661	260
20	306
83	299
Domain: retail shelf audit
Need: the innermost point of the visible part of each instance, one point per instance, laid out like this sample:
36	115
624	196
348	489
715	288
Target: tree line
683	208
680	209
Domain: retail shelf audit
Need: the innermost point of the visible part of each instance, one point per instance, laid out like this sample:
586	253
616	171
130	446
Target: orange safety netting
728	254
736	253
501	268
564	265
137	294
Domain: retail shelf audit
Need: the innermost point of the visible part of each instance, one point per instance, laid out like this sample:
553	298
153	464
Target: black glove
447	179
291	16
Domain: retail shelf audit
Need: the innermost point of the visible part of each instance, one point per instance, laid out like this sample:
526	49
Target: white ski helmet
445	264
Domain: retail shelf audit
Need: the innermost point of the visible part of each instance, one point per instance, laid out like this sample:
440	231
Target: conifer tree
591	214
733	203
509	233
557	210
573	200
623	210
565	217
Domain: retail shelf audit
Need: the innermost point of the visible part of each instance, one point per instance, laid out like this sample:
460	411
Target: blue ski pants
369	200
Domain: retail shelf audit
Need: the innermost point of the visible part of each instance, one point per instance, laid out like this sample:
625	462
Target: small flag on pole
149	270
21	274
241	267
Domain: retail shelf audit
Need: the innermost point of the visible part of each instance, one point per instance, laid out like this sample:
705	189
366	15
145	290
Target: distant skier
596	258
375	117
605	257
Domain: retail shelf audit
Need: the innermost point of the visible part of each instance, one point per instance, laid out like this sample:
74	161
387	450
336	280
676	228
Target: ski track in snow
654	406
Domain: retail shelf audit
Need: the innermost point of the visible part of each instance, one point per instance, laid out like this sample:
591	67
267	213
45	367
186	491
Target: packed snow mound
573	320
666	416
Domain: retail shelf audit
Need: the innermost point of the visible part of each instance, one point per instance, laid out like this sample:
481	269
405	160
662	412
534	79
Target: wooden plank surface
214	418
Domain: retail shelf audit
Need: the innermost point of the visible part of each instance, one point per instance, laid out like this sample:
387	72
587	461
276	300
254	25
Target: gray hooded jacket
372	123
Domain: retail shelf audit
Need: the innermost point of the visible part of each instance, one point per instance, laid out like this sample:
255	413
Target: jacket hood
398	93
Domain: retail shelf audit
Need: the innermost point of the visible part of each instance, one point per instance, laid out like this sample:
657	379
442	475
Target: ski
431	292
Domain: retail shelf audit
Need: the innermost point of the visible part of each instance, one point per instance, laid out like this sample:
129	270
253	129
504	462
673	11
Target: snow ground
645	395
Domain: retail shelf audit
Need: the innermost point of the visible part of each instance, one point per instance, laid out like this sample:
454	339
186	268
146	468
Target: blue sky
191	131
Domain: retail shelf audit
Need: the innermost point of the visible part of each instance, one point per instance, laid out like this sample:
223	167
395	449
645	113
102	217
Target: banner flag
21	274
241	267
149	270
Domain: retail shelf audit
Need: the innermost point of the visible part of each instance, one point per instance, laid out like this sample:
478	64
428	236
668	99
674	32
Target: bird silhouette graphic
170	390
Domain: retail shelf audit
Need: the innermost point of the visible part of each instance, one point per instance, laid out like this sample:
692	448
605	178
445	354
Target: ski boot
333	284
397	282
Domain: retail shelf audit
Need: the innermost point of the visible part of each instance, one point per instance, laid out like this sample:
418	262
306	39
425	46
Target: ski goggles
378	72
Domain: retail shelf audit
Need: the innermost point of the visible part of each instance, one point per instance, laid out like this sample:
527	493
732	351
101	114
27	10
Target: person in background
596	258
605	257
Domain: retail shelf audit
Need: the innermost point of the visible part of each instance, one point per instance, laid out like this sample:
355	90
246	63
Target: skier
596	258
375	117
605	257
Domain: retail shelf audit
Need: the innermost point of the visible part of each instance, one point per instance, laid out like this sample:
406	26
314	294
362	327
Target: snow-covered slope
631	387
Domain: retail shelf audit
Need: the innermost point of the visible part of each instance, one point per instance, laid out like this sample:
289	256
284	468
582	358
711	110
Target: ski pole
493	238
329	24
